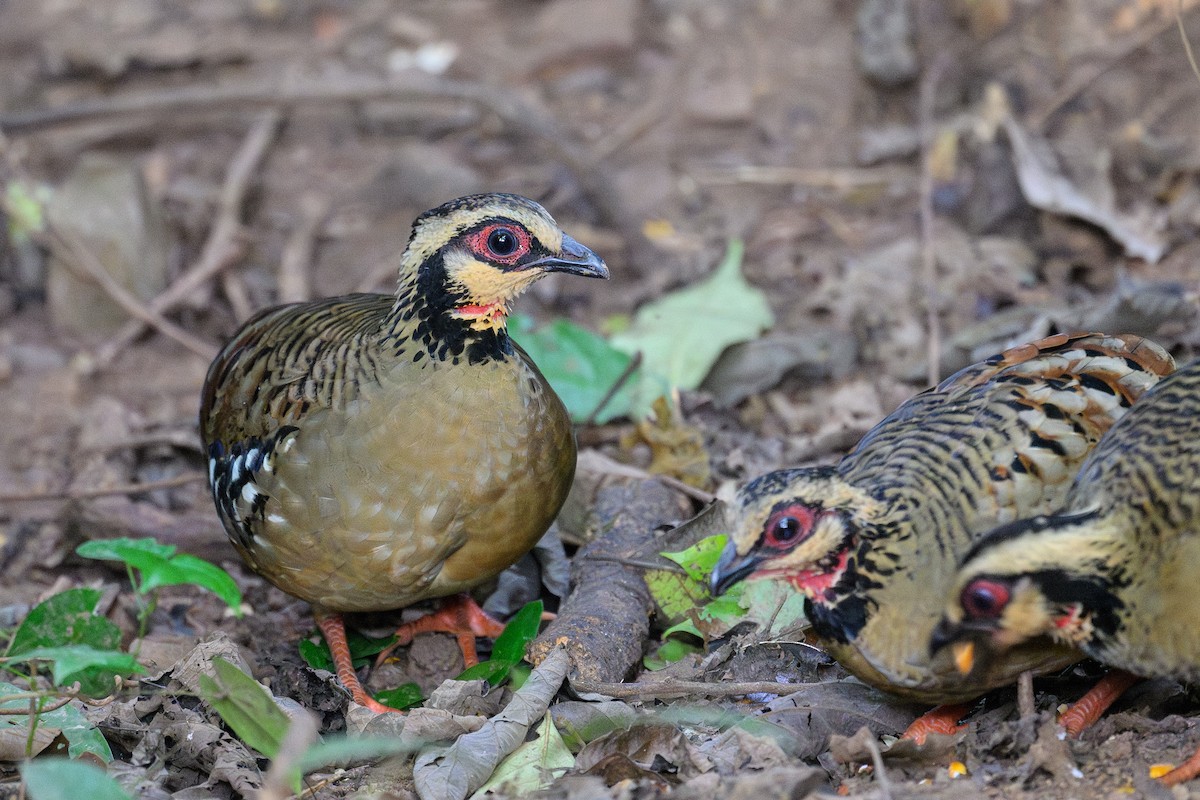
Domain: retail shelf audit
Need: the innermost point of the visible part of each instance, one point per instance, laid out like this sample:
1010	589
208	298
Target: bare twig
1089	73
238	296
928	93
621	380
841	180
513	109
677	688
296	262
77	255
1187	44
83	494
223	247
33	697
881	777
596	461
184	439
1025	704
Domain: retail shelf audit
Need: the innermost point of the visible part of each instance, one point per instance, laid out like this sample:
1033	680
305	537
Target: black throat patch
424	315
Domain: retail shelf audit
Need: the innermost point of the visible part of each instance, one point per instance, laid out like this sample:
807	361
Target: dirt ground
918	184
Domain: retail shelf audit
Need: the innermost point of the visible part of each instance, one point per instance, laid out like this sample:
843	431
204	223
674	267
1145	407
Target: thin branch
70	695
84	494
222	248
295	264
881	777
677	688
596	461
1187	44
621	380
925	102
510	106
87	266
1087	75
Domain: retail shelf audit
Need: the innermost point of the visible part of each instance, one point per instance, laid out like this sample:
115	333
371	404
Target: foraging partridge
874	541
1114	571
370	451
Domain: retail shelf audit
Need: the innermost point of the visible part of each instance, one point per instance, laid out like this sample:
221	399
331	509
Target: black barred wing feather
1004	438
236	476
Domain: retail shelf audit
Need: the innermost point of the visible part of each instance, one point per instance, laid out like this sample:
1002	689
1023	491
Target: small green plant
695	615
83	647
159	565
505	664
509	650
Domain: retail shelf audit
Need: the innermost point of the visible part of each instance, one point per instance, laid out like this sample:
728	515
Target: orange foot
1086	710
334	631
943	719
1184	772
459	615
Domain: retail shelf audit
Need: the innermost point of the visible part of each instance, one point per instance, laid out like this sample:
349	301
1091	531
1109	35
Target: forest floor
918	185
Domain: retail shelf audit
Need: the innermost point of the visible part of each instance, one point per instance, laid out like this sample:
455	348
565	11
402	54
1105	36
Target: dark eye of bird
502	242
788	526
984	599
786	529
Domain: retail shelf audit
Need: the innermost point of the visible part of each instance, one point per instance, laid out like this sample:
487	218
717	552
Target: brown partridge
371	451
1114	572
874	541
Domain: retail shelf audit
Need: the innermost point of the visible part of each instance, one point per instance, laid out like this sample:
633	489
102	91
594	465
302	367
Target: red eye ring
984	598
501	243
788	526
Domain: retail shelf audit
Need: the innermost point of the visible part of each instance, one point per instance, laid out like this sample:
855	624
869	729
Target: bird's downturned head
1041	577
799	525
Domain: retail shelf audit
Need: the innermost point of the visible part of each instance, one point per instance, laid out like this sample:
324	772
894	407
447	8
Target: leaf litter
825	259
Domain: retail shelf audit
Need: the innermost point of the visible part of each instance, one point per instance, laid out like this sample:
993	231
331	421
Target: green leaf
25	207
161	566
579	364
681	334
509	649
532	766
124	549
80	662
362	650
699	559
66	618
63	779
81	735
677	595
669	652
245	706
774	605
727	608
687	626
406	695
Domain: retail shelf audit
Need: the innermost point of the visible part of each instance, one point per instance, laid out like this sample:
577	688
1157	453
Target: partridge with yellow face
873	542
1114	571
370	451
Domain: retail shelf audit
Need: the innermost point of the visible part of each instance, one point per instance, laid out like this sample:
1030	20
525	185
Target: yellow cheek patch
487	289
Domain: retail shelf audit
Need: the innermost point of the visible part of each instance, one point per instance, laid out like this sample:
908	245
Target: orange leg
1086	710
334	631
1184	772
943	719
459	615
